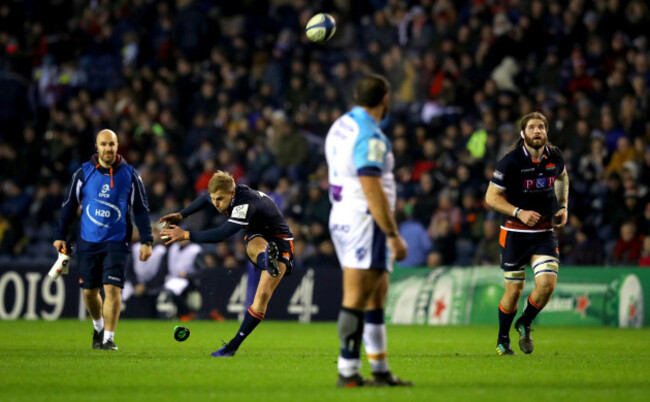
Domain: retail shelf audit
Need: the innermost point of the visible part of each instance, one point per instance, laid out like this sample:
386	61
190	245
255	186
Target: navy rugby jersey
530	184
253	210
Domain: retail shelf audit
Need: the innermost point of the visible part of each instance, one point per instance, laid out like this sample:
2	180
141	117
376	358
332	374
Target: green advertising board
457	296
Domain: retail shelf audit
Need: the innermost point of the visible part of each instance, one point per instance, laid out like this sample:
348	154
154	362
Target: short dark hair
371	89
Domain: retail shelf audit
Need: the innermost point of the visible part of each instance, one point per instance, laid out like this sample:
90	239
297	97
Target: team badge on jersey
240	211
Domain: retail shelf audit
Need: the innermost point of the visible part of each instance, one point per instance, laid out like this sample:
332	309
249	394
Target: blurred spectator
145	279
487	251
447	212
624	153
587	250
317	206
189	82
287	145
444	241
324	257
644	261
434	259
628	246
182	267
418	241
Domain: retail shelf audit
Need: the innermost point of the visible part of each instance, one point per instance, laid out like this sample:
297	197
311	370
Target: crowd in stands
195	86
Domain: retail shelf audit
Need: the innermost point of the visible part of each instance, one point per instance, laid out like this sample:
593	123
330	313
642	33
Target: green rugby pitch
287	361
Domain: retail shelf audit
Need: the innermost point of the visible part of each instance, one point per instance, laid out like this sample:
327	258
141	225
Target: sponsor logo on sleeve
240	211
376	150
497	175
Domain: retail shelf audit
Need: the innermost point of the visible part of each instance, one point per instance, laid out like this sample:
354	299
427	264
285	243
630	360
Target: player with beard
530	187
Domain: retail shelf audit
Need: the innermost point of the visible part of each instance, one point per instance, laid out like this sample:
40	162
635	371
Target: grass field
288	361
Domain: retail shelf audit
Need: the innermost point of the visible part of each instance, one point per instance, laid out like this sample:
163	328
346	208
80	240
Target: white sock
374	340
99	324
349	367
108	336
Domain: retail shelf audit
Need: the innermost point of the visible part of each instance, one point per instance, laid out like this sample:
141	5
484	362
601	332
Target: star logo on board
581	304
440	307
632	312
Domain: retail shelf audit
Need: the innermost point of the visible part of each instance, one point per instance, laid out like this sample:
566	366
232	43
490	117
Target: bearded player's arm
495	197
561	187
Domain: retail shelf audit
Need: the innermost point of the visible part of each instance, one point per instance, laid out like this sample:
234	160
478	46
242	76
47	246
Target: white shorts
359	242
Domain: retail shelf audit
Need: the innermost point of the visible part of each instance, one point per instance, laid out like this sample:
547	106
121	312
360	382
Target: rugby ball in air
320	28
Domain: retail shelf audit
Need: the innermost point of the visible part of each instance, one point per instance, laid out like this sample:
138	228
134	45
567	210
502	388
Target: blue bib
105	209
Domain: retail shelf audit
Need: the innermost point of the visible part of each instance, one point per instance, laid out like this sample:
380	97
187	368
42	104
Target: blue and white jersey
355	146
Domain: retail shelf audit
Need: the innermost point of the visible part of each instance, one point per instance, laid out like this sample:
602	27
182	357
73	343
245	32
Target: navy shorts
102	267
285	247
518	247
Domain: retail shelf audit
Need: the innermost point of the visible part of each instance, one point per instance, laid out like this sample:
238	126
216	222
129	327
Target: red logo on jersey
550	181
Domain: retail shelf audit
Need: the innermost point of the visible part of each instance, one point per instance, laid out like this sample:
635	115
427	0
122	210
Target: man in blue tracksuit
109	190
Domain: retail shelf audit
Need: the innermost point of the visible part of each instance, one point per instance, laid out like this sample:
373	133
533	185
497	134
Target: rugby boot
352	381
98	338
504	349
225	351
525	341
388	379
271	257
109	345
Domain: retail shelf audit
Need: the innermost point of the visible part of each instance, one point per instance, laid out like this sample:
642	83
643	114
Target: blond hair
221	181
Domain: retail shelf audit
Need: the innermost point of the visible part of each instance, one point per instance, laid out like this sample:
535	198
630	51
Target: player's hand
145	252
398	247
60	246
171	234
560	218
171	218
529	218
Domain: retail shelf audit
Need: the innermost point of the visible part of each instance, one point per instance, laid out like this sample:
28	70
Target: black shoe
98	338
352	381
109	345
525	341
388	379
504	349
271	255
